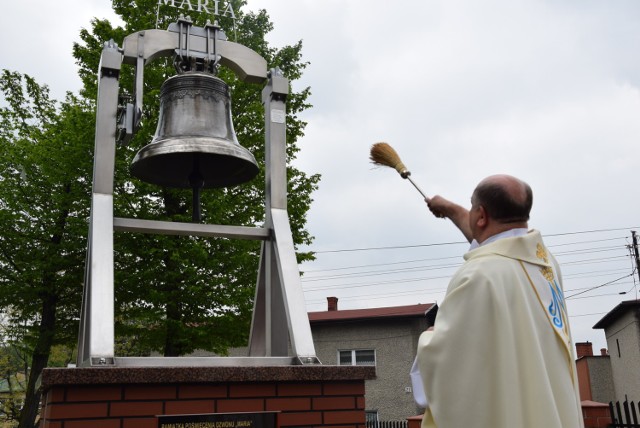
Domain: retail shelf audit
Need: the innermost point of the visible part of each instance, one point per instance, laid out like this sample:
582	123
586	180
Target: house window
357	357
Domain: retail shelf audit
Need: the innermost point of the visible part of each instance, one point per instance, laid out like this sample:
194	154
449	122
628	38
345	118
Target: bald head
506	199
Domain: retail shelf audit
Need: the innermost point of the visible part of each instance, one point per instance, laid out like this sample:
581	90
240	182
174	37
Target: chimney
332	303
603	352
584	349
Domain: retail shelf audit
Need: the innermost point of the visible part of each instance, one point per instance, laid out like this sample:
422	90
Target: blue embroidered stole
550	295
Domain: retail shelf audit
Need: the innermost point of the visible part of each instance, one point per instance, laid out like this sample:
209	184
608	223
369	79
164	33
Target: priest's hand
444	208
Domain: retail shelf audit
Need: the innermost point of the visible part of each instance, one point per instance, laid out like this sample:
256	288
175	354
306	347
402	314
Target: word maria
212	7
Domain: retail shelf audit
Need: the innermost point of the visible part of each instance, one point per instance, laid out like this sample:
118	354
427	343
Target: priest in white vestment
500	354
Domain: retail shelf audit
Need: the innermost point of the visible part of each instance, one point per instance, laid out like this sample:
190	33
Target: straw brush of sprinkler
383	154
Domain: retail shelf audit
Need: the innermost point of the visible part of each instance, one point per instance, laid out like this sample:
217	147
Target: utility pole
635	251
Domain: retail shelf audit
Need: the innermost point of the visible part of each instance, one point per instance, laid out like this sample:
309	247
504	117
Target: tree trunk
39	361
40	358
174	342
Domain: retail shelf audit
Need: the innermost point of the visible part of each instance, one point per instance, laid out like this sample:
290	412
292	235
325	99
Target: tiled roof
419	310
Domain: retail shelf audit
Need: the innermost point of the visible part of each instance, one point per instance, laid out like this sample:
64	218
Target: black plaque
220	420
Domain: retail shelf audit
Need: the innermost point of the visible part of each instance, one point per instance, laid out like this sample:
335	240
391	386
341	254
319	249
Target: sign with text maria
210	7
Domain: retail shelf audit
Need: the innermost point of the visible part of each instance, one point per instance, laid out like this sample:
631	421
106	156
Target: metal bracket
102	362
130	115
186	58
139	82
125	120
182	59
279	85
308	361
212	58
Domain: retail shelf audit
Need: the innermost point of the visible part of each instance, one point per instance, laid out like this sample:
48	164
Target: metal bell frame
279	306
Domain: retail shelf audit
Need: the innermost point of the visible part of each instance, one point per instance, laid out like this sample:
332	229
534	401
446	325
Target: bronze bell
195	145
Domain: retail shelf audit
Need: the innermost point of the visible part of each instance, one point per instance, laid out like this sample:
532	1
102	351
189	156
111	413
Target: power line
585	242
405	262
591	231
358	285
380	264
421	268
587	315
597	295
591	261
396	247
421	292
567	254
593	273
601	285
559	254
588	250
381	272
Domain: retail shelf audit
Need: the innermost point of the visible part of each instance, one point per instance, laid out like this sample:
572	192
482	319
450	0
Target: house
12	392
595	380
622	329
385	337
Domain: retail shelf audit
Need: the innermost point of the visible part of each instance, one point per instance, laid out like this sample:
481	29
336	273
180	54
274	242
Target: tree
179	294
44	191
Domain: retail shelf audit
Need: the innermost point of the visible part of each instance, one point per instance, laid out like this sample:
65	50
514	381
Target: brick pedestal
113	397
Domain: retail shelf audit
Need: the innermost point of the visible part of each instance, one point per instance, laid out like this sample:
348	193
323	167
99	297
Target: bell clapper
197	182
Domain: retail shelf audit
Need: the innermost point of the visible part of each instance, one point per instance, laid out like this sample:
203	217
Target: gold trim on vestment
562	339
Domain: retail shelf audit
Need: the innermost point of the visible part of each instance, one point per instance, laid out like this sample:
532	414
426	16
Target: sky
547	91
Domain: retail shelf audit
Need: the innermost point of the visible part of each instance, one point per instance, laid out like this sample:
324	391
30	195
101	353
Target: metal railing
625	415
387	424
